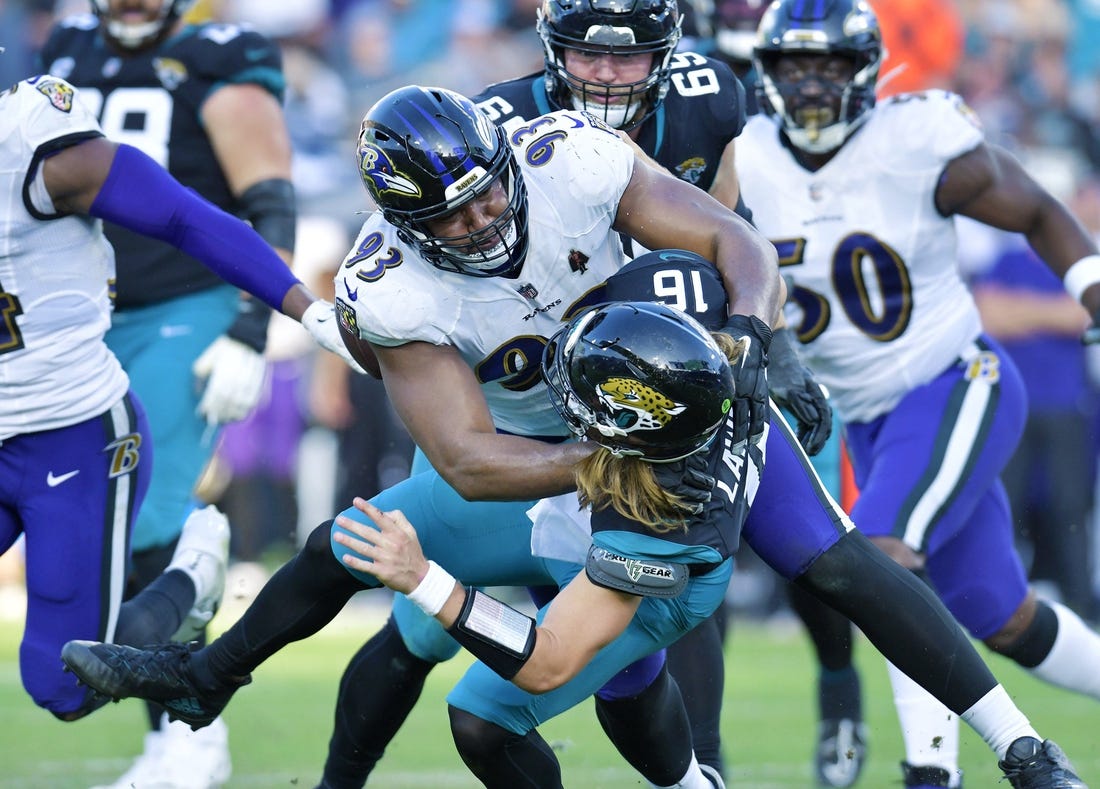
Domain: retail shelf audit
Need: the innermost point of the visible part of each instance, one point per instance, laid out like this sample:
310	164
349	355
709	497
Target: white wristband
1082	275
431	594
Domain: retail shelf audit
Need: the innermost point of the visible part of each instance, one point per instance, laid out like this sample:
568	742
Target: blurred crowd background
1030	69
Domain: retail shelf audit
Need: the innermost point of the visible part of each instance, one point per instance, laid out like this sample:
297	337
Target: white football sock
1073	660
999	721
929	729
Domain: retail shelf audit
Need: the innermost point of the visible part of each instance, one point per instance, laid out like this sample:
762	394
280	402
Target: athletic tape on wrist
432	592
1082	275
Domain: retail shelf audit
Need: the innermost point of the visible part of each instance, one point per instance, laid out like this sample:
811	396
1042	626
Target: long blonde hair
628	484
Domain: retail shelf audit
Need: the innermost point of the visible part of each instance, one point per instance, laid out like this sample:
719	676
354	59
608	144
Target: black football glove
794	388
750	376
689	479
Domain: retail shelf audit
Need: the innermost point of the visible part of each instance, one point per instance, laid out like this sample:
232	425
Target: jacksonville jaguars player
204	101
619	62
470	257
75	448
860	200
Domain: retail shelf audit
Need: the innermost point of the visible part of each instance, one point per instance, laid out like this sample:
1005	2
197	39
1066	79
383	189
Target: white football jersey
876	296
55	272
390	295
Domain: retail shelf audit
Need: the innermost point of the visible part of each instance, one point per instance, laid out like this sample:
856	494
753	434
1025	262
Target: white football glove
234	375
319	320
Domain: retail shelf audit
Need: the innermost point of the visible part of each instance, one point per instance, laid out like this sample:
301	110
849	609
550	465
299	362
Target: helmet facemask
488	252
135	36
623	105
818	114
425	154
832	29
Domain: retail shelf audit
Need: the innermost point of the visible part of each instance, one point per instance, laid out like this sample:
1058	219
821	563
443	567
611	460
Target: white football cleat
177	758
203	553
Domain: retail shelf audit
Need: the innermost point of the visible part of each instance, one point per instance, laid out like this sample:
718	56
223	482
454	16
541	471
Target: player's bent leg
503	759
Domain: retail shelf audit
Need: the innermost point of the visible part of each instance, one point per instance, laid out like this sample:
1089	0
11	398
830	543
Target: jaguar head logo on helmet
594	364
436	166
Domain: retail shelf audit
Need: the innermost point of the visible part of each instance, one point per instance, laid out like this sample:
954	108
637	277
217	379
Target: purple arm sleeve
141	196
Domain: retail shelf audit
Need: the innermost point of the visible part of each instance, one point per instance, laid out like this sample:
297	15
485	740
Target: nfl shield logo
528	291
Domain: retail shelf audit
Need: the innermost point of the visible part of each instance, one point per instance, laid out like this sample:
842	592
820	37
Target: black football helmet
426	152
140	35
639	378
847	28
733	25
615	27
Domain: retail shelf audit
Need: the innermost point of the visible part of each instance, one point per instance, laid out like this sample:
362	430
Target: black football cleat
1030	764
161	674
924	776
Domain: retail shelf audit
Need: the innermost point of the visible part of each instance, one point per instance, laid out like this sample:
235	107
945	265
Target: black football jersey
152	101
719	526
703	111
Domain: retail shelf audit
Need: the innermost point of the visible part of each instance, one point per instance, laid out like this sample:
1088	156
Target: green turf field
279	724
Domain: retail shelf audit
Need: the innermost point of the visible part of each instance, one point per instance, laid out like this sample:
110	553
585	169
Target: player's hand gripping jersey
55	369
575	170
152	100
881	307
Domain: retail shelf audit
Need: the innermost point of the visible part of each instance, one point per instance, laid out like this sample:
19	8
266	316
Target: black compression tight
501	759
651	730
369	712
303	596
902	617
697	663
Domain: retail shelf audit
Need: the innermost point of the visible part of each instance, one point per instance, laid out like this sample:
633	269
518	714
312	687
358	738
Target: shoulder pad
642	577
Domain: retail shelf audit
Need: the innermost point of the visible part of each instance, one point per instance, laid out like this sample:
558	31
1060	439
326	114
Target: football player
75	447
204	101
619	62
860	200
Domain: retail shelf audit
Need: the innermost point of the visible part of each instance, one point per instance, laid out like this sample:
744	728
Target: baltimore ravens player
204	102
860	201
75	449
619	62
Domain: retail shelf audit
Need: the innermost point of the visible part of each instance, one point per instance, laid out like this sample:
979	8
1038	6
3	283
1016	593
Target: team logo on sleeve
381	176
578	261
637	406
59	93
